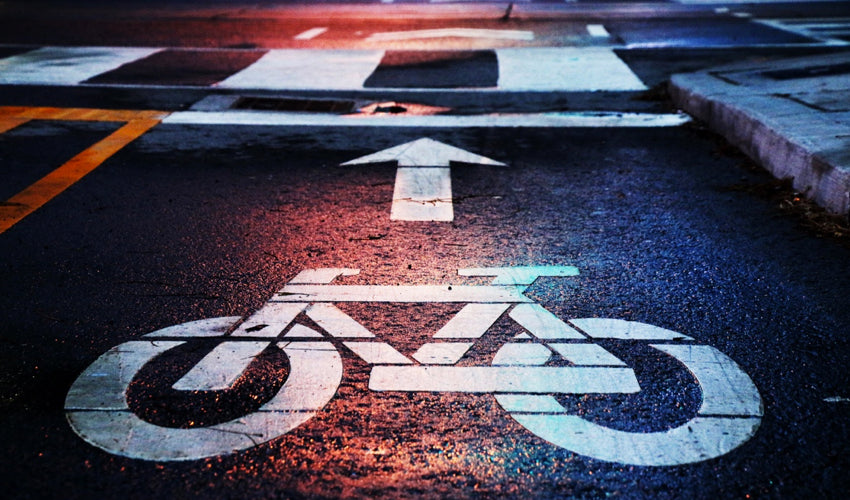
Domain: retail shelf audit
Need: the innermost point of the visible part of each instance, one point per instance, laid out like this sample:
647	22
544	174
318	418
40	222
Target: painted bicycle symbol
520	376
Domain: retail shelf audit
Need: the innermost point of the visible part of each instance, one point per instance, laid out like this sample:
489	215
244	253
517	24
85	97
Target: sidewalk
791	116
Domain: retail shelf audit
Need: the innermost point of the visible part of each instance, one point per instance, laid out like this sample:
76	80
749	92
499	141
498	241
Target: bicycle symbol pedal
520	376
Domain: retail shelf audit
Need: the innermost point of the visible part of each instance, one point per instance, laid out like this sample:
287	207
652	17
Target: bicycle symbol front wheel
729	413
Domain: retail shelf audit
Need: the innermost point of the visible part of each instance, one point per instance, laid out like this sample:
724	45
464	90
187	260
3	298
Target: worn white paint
726	389
400	293
424	152
587	354
608	328
377	353
522	354
221	368
423	183
701	438
471	321
520	275
535	403
589	119
512	379
304	69
394	36
270	320
597	31
336	322
302	332
66	65
543	324
310	33
441	353
97	409
729	415
422	194
564	69
321	276
214	327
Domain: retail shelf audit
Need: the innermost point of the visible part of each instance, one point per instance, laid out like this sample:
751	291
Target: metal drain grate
295	104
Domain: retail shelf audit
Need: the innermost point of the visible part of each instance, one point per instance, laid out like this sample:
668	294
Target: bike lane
195	222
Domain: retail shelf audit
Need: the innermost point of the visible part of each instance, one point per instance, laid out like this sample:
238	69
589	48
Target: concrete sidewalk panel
790	134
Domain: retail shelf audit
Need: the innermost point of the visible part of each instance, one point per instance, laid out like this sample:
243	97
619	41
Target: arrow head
424	153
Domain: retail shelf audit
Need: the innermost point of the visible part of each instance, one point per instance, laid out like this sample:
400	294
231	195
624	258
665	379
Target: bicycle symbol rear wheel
98	411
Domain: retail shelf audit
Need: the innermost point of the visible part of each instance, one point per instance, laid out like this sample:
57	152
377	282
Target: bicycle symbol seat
520	376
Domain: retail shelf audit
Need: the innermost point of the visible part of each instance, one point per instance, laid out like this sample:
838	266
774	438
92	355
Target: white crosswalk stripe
66	65
520	69
307	69
833	31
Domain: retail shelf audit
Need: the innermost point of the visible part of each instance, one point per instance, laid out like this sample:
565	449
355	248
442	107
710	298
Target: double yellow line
45	189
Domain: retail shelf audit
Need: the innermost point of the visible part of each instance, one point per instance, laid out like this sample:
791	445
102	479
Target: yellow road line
48	187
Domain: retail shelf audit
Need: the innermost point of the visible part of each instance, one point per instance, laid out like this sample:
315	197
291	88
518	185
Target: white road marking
530	69
699	439
394	36
836	399
270	320
726	389
730	413
826	31
597	30
564	69
472	321
307	69
535	120
321	276
422	194
587	355
334	321
535	403
97	409
543	324
301	331
310	34
214	327
519	275
221	368
522	354
423	183
66	65
521	379
399	293
377	353
609	328
424	153
441	353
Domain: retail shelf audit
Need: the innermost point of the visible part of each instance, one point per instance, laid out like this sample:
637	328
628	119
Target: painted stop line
551	358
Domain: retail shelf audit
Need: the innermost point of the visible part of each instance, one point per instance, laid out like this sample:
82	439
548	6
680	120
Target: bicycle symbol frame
519	378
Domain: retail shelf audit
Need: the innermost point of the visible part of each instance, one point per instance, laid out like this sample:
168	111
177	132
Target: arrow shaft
422	194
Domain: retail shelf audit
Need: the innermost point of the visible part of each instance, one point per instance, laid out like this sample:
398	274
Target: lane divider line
51	185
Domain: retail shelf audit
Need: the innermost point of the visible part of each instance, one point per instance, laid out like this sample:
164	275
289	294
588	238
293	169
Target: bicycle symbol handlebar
520	376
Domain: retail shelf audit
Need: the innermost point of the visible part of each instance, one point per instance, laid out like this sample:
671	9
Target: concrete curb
788	138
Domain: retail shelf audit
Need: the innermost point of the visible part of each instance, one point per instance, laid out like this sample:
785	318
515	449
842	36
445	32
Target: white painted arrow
423	182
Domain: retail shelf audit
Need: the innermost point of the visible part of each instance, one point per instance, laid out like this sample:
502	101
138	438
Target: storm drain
809	72
295	104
